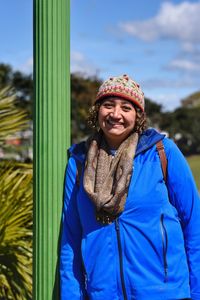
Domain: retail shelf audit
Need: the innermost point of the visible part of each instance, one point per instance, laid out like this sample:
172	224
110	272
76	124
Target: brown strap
163	158
78	172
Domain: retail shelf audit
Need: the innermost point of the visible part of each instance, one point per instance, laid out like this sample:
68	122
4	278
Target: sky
16	37
156	42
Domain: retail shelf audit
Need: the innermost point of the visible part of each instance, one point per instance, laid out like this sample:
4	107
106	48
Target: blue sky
155	42
16	34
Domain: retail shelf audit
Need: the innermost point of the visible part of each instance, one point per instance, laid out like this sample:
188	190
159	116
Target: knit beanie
124	87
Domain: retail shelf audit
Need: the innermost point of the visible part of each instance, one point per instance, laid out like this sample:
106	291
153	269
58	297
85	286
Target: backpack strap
78	172
163	158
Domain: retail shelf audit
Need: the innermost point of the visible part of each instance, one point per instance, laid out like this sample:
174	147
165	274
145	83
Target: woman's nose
116	112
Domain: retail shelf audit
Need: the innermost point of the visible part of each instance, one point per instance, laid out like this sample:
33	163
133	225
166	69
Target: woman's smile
114	123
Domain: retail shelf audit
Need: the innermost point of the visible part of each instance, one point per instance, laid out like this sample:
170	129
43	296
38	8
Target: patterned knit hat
122	86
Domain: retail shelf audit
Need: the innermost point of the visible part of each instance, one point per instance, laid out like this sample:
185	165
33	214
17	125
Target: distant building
18	147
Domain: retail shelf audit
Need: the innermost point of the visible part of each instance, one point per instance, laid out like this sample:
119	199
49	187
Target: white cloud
173	21
189	47
80	64
184	65
185	81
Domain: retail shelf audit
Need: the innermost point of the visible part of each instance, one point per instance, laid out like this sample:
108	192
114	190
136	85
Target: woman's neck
112	144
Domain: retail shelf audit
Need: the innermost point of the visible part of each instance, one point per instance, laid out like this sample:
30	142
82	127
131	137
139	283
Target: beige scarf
107	177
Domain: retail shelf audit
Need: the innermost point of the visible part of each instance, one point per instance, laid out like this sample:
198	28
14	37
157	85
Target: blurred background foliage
16	106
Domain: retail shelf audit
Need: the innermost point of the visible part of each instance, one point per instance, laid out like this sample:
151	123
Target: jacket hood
147	139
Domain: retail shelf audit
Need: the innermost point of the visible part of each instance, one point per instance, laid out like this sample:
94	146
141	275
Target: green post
51	138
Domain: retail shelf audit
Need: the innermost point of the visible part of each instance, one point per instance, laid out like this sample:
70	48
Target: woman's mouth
114	123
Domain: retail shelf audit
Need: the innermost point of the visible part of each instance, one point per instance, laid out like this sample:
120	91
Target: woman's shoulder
76	157
150	138
170	146
78	149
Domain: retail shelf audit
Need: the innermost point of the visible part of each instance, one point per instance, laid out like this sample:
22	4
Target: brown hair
140	123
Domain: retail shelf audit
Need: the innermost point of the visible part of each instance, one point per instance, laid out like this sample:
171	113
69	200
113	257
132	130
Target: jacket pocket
164	246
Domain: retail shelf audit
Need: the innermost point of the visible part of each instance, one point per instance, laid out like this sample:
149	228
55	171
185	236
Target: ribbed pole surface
51	137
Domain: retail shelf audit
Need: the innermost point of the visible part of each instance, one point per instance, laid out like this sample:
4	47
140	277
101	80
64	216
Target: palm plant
15	231
12	118
15	209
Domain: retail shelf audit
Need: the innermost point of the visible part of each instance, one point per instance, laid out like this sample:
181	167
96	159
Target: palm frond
15	231
12	118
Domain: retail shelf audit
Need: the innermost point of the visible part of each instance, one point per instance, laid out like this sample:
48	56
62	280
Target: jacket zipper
164	246
120	259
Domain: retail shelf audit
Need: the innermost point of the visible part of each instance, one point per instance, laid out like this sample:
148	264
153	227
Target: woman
128	234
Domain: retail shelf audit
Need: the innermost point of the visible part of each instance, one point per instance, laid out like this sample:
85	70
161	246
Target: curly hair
140	122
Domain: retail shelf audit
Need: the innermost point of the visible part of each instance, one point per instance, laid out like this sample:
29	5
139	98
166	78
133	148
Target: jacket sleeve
184	196
71	270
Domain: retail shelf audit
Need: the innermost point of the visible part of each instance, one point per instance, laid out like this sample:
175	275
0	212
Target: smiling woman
127	233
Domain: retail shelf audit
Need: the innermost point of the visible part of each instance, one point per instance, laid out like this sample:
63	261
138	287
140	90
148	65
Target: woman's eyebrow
108	101
126	102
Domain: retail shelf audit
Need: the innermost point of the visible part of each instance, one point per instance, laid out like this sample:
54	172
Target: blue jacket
152	250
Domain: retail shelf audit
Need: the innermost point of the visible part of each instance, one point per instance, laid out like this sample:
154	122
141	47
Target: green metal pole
51	138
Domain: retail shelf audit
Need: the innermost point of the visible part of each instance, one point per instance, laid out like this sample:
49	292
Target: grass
194	162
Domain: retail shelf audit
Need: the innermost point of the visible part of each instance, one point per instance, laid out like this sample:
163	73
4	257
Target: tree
154	112
192	100
5	75
83	93
21	83
183	126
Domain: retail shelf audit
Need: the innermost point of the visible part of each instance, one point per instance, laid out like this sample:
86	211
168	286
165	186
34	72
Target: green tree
83	93
21	83
183	126
5	75
154	113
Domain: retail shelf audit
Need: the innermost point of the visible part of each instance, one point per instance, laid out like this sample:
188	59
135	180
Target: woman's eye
107	105
126	108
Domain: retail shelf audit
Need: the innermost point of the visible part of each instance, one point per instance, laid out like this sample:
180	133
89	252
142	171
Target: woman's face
116	118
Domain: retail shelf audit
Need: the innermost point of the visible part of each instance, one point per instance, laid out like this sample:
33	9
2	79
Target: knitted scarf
106	177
